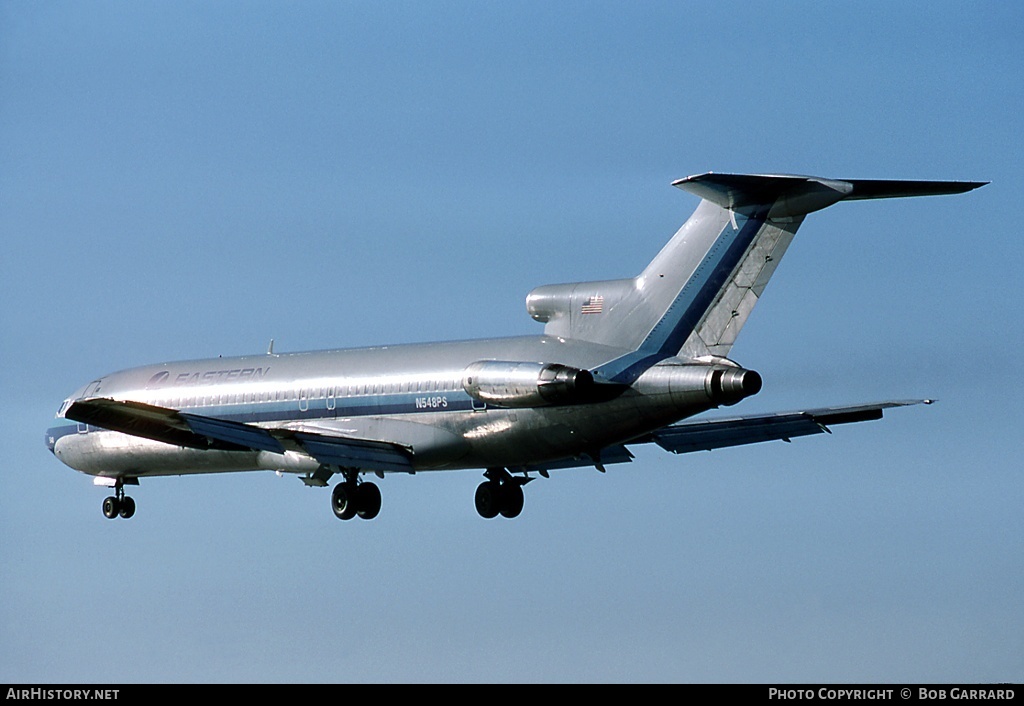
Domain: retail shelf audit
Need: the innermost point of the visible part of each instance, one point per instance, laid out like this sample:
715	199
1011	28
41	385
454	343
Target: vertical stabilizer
694	297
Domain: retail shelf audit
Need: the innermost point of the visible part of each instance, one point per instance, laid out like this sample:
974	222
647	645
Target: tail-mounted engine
698	385
515	384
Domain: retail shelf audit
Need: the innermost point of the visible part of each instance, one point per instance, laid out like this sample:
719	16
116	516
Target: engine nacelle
699	385
521	384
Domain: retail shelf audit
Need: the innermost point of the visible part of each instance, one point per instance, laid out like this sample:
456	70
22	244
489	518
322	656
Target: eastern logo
158	379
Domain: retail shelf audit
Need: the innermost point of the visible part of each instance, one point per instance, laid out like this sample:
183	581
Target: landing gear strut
119	504
350	498
501	493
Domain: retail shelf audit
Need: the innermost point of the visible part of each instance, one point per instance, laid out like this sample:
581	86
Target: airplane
620	363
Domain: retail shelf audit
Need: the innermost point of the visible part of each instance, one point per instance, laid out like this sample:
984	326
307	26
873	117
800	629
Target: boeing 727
620	362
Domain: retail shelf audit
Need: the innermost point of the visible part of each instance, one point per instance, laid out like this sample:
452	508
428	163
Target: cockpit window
63	408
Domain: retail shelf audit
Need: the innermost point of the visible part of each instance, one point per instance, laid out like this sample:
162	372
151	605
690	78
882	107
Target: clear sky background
192	179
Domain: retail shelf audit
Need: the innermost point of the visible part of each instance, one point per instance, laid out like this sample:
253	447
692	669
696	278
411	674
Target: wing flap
607	455
237	433
355	453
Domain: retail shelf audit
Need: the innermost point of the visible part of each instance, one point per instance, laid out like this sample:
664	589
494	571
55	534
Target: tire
511	500
343	501
488	499
111	507
127	507
368	500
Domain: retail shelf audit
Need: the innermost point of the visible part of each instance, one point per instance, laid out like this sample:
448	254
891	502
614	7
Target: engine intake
522	384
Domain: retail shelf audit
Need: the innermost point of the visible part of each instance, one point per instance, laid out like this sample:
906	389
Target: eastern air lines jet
620	362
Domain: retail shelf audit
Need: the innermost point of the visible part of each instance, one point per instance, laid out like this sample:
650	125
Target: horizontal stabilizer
709	434
790	195
897	189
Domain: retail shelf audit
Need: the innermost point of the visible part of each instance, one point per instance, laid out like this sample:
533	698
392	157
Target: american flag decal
593	305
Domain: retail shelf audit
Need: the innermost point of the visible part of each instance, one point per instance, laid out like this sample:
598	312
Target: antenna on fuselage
270	348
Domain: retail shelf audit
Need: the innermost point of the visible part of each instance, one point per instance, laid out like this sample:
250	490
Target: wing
201	432
708	434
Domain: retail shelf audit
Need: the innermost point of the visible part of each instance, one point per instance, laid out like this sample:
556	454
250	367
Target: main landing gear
350	498
501	493
119	504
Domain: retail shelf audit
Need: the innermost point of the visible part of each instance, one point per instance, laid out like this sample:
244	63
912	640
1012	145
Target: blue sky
184	180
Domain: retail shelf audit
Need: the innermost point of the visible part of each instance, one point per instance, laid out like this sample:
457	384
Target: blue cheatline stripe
690	305
269	412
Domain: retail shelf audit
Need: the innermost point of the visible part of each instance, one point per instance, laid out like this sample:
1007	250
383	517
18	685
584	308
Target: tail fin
696	294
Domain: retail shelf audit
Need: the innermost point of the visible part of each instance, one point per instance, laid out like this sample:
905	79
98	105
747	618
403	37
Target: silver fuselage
411	395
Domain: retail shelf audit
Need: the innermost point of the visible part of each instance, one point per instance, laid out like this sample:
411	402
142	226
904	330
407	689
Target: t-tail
692	300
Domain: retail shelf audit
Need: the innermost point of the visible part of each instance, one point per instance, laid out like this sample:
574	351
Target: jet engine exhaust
729	386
